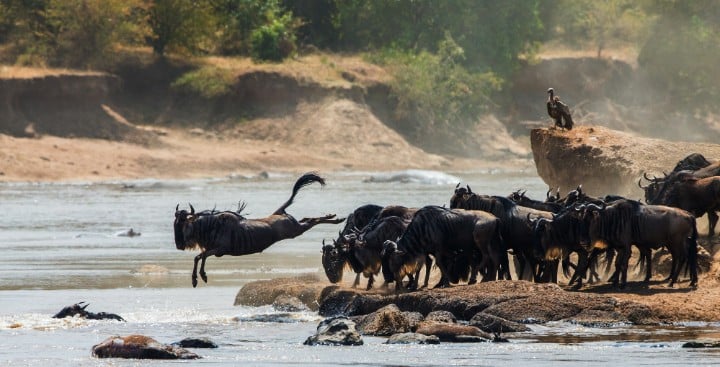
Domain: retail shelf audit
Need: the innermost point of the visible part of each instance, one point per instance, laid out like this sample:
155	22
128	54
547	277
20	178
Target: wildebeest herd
475	236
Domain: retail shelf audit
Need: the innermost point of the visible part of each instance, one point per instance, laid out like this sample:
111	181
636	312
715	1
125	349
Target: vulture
560	112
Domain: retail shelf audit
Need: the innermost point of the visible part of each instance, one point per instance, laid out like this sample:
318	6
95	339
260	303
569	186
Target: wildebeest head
334	260
183	227
517	196
70	311
652	189
461	195
390	260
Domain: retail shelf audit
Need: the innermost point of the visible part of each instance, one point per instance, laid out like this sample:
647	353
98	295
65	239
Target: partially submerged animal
230	233
78	309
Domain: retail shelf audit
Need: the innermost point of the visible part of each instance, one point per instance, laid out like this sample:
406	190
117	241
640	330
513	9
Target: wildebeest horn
547	194
646	176
192	210
177	207
596	207
468	188
523	193
640	184
323	242
458	185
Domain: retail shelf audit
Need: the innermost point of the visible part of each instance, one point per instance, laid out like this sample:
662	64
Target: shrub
209	82
274	41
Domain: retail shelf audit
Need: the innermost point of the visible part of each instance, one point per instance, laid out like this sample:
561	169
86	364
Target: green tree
239	18
493	33
681	57
181	25
599	24
83	33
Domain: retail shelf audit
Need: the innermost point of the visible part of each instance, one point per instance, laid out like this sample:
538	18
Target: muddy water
61	245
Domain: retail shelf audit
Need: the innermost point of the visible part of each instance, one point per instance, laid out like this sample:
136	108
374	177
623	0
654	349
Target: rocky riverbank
504	302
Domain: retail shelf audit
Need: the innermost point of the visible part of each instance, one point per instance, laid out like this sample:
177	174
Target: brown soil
336	135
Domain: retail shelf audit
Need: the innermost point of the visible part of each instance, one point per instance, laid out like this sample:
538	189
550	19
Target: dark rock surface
493	324
412	338
335	331
453	333
306	288
386	321
196	343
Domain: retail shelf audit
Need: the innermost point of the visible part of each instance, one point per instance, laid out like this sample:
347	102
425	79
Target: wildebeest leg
428	267
712	221
195	265
646	257
621	266
205	255
371	280
357	280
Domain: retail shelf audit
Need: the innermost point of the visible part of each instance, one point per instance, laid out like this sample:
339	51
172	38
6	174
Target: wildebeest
627	222
78	309
519	198
362	250
335	256
517	231
361	259
455	238
695	195
559	111
228	233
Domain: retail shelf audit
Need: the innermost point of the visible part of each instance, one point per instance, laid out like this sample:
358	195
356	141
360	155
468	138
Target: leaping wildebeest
229	233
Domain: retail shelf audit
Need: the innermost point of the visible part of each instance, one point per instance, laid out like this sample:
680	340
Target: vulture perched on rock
559	111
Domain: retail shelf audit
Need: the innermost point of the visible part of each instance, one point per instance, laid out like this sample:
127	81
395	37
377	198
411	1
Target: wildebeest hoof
194	282
472	281
203	276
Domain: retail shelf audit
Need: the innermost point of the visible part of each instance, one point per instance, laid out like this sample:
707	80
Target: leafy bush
274	41
436	96
682	59
209	82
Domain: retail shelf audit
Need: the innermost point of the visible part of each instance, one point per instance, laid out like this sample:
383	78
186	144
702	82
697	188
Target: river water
60	245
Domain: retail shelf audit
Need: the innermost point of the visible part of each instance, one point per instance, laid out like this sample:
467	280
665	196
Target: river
61	245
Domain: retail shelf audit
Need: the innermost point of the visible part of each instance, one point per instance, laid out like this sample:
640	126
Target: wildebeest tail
303	181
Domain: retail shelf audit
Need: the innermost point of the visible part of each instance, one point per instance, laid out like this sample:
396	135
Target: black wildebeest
228	233
361	250
517	230
688	192
455	238
627	222
344	251
559	111
519	198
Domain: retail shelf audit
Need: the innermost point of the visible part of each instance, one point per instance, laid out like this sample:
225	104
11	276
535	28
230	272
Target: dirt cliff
606	161
65	105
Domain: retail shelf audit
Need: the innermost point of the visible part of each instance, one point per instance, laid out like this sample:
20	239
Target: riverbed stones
454	333
386	321
196	343
139	347
335	331
288	303
493	324
412	338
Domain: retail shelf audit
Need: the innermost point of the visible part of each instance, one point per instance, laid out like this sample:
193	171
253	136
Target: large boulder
335	331
606	161
139	347
386	321
306	288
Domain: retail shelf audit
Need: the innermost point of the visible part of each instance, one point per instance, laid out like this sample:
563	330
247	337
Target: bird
559	111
